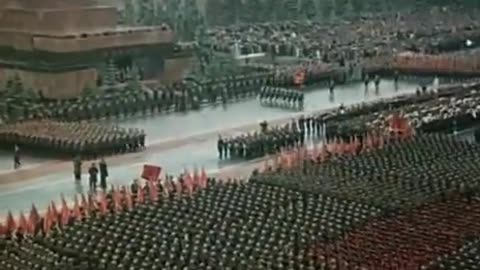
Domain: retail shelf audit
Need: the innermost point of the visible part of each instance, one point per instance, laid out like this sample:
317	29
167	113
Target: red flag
187	180
102	204
34	216
11	223
3	229
64	202
140	195
178	186
77	214
196	178
117	200
22	224
31	227
85	206
91	203
47	222
65	212
55	212
128	199
203	178
153	191
165	187
65	216
151	172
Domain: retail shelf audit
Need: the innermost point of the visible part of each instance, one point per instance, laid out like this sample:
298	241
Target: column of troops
71	138
282	97
187	95
455	108
272	140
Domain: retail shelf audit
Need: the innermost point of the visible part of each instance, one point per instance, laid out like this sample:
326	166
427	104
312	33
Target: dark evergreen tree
292	8
271	10
327	9
358	6
133	80
233	9
17	83
109	77
129	14
252	11
308	9
214	11
88	91
146	12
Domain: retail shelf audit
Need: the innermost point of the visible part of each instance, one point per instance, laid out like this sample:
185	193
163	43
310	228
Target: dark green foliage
214	12
133	81
308	9
292	9
253	11
326	9
233	9
146	12
129	16
88	91
109	77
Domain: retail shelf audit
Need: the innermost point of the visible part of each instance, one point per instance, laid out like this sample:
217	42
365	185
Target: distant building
60	47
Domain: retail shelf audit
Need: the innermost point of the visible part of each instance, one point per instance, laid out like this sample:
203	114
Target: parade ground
174	142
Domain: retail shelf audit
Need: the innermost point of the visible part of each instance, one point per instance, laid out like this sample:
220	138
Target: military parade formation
417	192
70	139
383	185
272	140
282	98
181	96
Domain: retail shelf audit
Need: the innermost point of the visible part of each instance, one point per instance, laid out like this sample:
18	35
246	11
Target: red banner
151	172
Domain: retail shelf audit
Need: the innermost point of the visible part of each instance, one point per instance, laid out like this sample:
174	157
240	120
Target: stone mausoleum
60	47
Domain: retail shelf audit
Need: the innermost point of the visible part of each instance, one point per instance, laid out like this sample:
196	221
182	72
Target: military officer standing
16	158
103	174
220	147
93	179
77	168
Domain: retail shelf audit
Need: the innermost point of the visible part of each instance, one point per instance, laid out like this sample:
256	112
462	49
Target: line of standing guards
271	140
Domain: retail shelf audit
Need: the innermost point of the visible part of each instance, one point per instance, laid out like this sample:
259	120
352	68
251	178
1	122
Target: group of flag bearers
89	140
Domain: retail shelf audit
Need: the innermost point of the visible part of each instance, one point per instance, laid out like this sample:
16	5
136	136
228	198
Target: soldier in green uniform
77	168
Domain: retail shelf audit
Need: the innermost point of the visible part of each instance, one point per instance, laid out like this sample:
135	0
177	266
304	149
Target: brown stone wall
79	44
58	21
54	85
31	4
175	69
18	41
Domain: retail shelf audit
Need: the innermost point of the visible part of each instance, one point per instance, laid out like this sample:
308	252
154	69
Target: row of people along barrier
463	65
